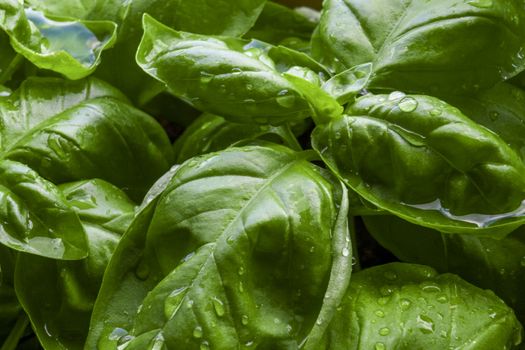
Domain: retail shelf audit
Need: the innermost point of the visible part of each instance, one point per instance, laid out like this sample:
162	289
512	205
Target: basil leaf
218	258
85	131
404	306
243	81
422	160
409	42
278	23
58	295
69	47
210	133
9	306
488	263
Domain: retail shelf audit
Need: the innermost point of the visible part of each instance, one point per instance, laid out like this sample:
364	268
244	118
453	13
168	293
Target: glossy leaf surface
70	47
404	306
218	258
243	81
402	153
409	42
58	295
498	265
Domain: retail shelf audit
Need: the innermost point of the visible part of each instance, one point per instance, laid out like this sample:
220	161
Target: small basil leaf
401	153
218	258
241	83
277	23
69	47
210	133
404	306
59	296
409	42
345	86
498	265
35	216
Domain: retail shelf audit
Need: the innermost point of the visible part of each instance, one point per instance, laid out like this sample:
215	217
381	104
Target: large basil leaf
403	306
244	247
409	42
210	133
58	295
224	17
423	160
237	79
55	131
488	263
72	48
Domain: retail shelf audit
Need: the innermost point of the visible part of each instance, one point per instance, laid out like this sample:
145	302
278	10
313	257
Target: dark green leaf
429	46
422	160
59	295
403	306
244	247
488	263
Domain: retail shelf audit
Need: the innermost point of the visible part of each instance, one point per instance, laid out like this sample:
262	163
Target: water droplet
312	249
236	70
480	3
380	346
435	112
346	252
442	299
218	306
408	104
384	331
173	302
241	287
241	271
157	343
523	261
430	287
230	240
396	95
197	332
425	324
285	100
405	304
379	313
205	345
386	290
244	320
389	275
493	116
319	322
249	344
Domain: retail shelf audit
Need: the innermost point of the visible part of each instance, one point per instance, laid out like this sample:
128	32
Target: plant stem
16	333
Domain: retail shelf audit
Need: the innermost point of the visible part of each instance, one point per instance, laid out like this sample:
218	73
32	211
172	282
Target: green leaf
277	23
69	47
218	259
403	306
500	109
58	295
243	82
423	160
9	60
68	131
345	86
210	133
9	306
35	216
211	17
409	42
498	265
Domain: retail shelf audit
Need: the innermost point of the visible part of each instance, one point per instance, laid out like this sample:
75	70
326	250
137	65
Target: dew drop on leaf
384	331
408	104
197	332
218	306
380	346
